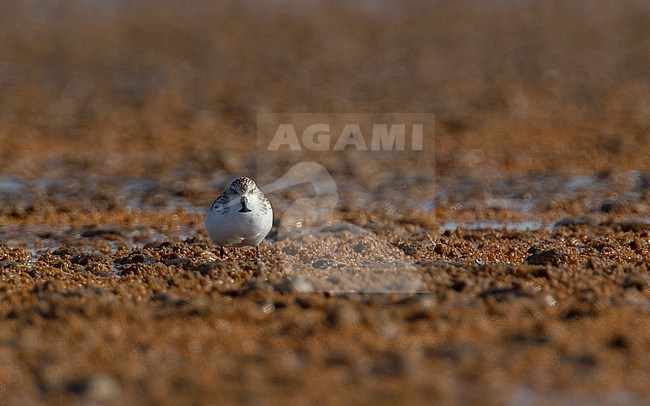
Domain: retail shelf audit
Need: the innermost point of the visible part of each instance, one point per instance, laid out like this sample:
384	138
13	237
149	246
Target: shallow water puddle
530	225
36	239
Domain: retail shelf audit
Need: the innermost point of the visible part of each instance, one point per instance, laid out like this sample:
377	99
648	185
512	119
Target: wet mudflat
508	263
133	303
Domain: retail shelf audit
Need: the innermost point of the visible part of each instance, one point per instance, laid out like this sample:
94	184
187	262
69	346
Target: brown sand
517	255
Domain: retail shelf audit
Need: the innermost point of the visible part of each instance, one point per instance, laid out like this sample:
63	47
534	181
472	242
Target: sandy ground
508	263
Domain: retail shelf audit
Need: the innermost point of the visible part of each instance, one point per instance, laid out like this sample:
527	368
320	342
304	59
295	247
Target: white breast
232	228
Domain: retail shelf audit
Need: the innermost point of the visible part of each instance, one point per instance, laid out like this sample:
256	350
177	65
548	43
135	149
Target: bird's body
241	216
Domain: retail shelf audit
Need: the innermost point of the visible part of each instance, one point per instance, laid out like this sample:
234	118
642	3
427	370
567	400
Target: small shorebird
241	216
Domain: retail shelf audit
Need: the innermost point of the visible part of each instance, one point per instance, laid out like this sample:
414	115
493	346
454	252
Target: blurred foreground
527	225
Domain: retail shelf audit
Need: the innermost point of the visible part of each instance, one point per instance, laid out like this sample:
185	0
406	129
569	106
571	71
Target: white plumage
241	216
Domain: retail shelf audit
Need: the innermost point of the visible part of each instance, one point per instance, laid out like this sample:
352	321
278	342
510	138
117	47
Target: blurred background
121	121
153	89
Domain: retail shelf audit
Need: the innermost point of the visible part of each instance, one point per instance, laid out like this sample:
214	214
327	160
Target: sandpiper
241	216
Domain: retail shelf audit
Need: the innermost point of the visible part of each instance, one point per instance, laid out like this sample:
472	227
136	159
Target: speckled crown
243	185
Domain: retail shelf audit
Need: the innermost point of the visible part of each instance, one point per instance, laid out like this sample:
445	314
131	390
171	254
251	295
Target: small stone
504	294
342	315
553	256
290	250
549	300
183	263
609	206
342	227
302	284
640	281
575	221
106	233
214	268
326	263
85	259
635	226
103	388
